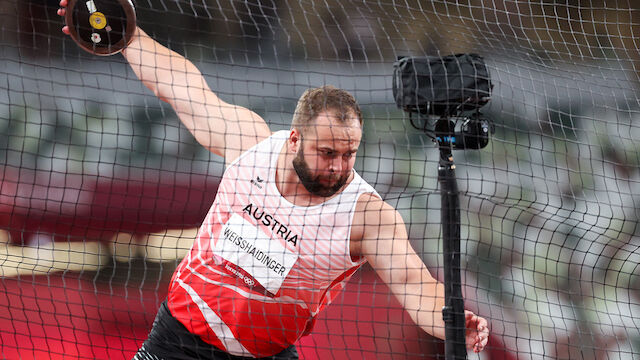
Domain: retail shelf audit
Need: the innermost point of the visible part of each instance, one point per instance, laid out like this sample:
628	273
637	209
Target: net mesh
103	189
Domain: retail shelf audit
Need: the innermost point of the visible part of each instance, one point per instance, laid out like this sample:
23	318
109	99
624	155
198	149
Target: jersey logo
257	182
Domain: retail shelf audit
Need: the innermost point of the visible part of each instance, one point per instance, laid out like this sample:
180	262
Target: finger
483	335
62	11
63	3
483	340
65	29
482	321
469	317
468	314
479	346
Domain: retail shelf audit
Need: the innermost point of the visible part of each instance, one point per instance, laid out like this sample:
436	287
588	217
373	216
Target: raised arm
381	237
223	128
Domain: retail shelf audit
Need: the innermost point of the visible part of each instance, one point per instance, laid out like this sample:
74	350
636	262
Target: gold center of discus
98	20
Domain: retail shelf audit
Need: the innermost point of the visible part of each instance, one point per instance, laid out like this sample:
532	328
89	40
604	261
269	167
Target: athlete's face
327	153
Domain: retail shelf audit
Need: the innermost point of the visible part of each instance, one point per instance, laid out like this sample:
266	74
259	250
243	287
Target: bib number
246	246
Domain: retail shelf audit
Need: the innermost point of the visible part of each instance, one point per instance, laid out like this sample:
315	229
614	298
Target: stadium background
93	165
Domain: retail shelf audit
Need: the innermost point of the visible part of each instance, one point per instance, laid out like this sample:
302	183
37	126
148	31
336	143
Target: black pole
453	311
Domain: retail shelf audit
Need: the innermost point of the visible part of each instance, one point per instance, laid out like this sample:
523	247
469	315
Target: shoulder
263	145
239	138
372	210
373	219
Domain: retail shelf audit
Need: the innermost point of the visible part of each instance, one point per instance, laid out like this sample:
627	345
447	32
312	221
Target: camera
449	89
469	132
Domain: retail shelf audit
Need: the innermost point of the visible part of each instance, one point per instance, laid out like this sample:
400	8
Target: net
103	189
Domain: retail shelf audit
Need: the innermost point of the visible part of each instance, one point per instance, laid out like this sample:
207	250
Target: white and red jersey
261	268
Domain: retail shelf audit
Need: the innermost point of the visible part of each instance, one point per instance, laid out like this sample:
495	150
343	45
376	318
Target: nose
336	165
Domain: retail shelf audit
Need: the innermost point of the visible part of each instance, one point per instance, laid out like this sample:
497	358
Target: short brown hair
327	97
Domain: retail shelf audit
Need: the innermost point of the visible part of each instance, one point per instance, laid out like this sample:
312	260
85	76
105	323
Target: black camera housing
446	88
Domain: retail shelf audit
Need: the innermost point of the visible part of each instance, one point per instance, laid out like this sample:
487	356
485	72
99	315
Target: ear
295	140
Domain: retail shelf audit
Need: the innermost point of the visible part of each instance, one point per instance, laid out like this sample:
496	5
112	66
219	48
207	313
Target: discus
101	27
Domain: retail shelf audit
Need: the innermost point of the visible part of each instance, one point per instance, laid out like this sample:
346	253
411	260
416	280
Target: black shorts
170	340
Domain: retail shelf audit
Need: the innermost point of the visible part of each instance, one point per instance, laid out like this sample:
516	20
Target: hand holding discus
100	27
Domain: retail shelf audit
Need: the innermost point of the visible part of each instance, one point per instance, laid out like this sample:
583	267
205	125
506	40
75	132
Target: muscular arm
223	128
381	237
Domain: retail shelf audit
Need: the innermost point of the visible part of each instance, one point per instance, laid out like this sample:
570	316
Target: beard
312	184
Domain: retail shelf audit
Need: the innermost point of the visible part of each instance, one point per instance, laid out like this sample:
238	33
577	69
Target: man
290	224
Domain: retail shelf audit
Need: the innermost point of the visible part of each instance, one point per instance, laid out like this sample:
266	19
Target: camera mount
446	94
